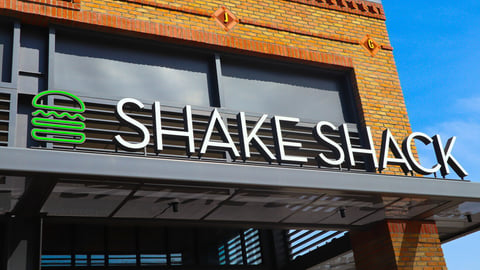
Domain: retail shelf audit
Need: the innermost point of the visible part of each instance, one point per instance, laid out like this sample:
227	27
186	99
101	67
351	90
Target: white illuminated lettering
350	151
136	125
389	143
445	157
246	138
321	138
344	153
407	150
280	143
215	119
187	133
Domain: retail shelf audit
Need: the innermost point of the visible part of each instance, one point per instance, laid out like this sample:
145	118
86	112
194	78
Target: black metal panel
23	122
121	240
23	241
59	238
6	51
3	244
33	60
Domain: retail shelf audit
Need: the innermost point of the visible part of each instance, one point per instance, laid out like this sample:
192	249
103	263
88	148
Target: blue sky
437	52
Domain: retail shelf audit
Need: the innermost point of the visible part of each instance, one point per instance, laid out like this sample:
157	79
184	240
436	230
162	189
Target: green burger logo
57	123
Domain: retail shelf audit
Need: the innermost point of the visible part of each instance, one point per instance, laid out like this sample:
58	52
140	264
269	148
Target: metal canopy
33	161
107	186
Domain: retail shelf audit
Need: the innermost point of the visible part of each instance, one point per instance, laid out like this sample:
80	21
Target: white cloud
468	105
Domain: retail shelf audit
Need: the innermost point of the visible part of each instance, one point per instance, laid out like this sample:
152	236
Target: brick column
398	245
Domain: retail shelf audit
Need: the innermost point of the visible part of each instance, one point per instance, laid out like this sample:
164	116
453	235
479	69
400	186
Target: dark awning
122	187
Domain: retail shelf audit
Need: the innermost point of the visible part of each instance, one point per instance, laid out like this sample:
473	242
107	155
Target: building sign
344	152
50	120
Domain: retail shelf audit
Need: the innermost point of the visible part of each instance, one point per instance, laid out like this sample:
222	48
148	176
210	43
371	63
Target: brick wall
319	32
398	245
323	32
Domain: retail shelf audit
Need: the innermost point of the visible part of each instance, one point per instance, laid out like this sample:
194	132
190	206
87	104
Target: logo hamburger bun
58	123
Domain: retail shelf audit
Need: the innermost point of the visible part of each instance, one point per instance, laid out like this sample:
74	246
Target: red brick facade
402	245
328	33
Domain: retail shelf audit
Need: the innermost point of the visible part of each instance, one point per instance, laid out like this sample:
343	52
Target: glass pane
115	69
284	90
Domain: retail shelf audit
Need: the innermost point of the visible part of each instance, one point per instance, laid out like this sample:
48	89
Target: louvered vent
243	249
301	242
4	118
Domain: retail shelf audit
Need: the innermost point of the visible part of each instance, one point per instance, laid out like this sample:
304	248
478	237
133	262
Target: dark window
6	45
68	246
113	68
281	89
117	68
